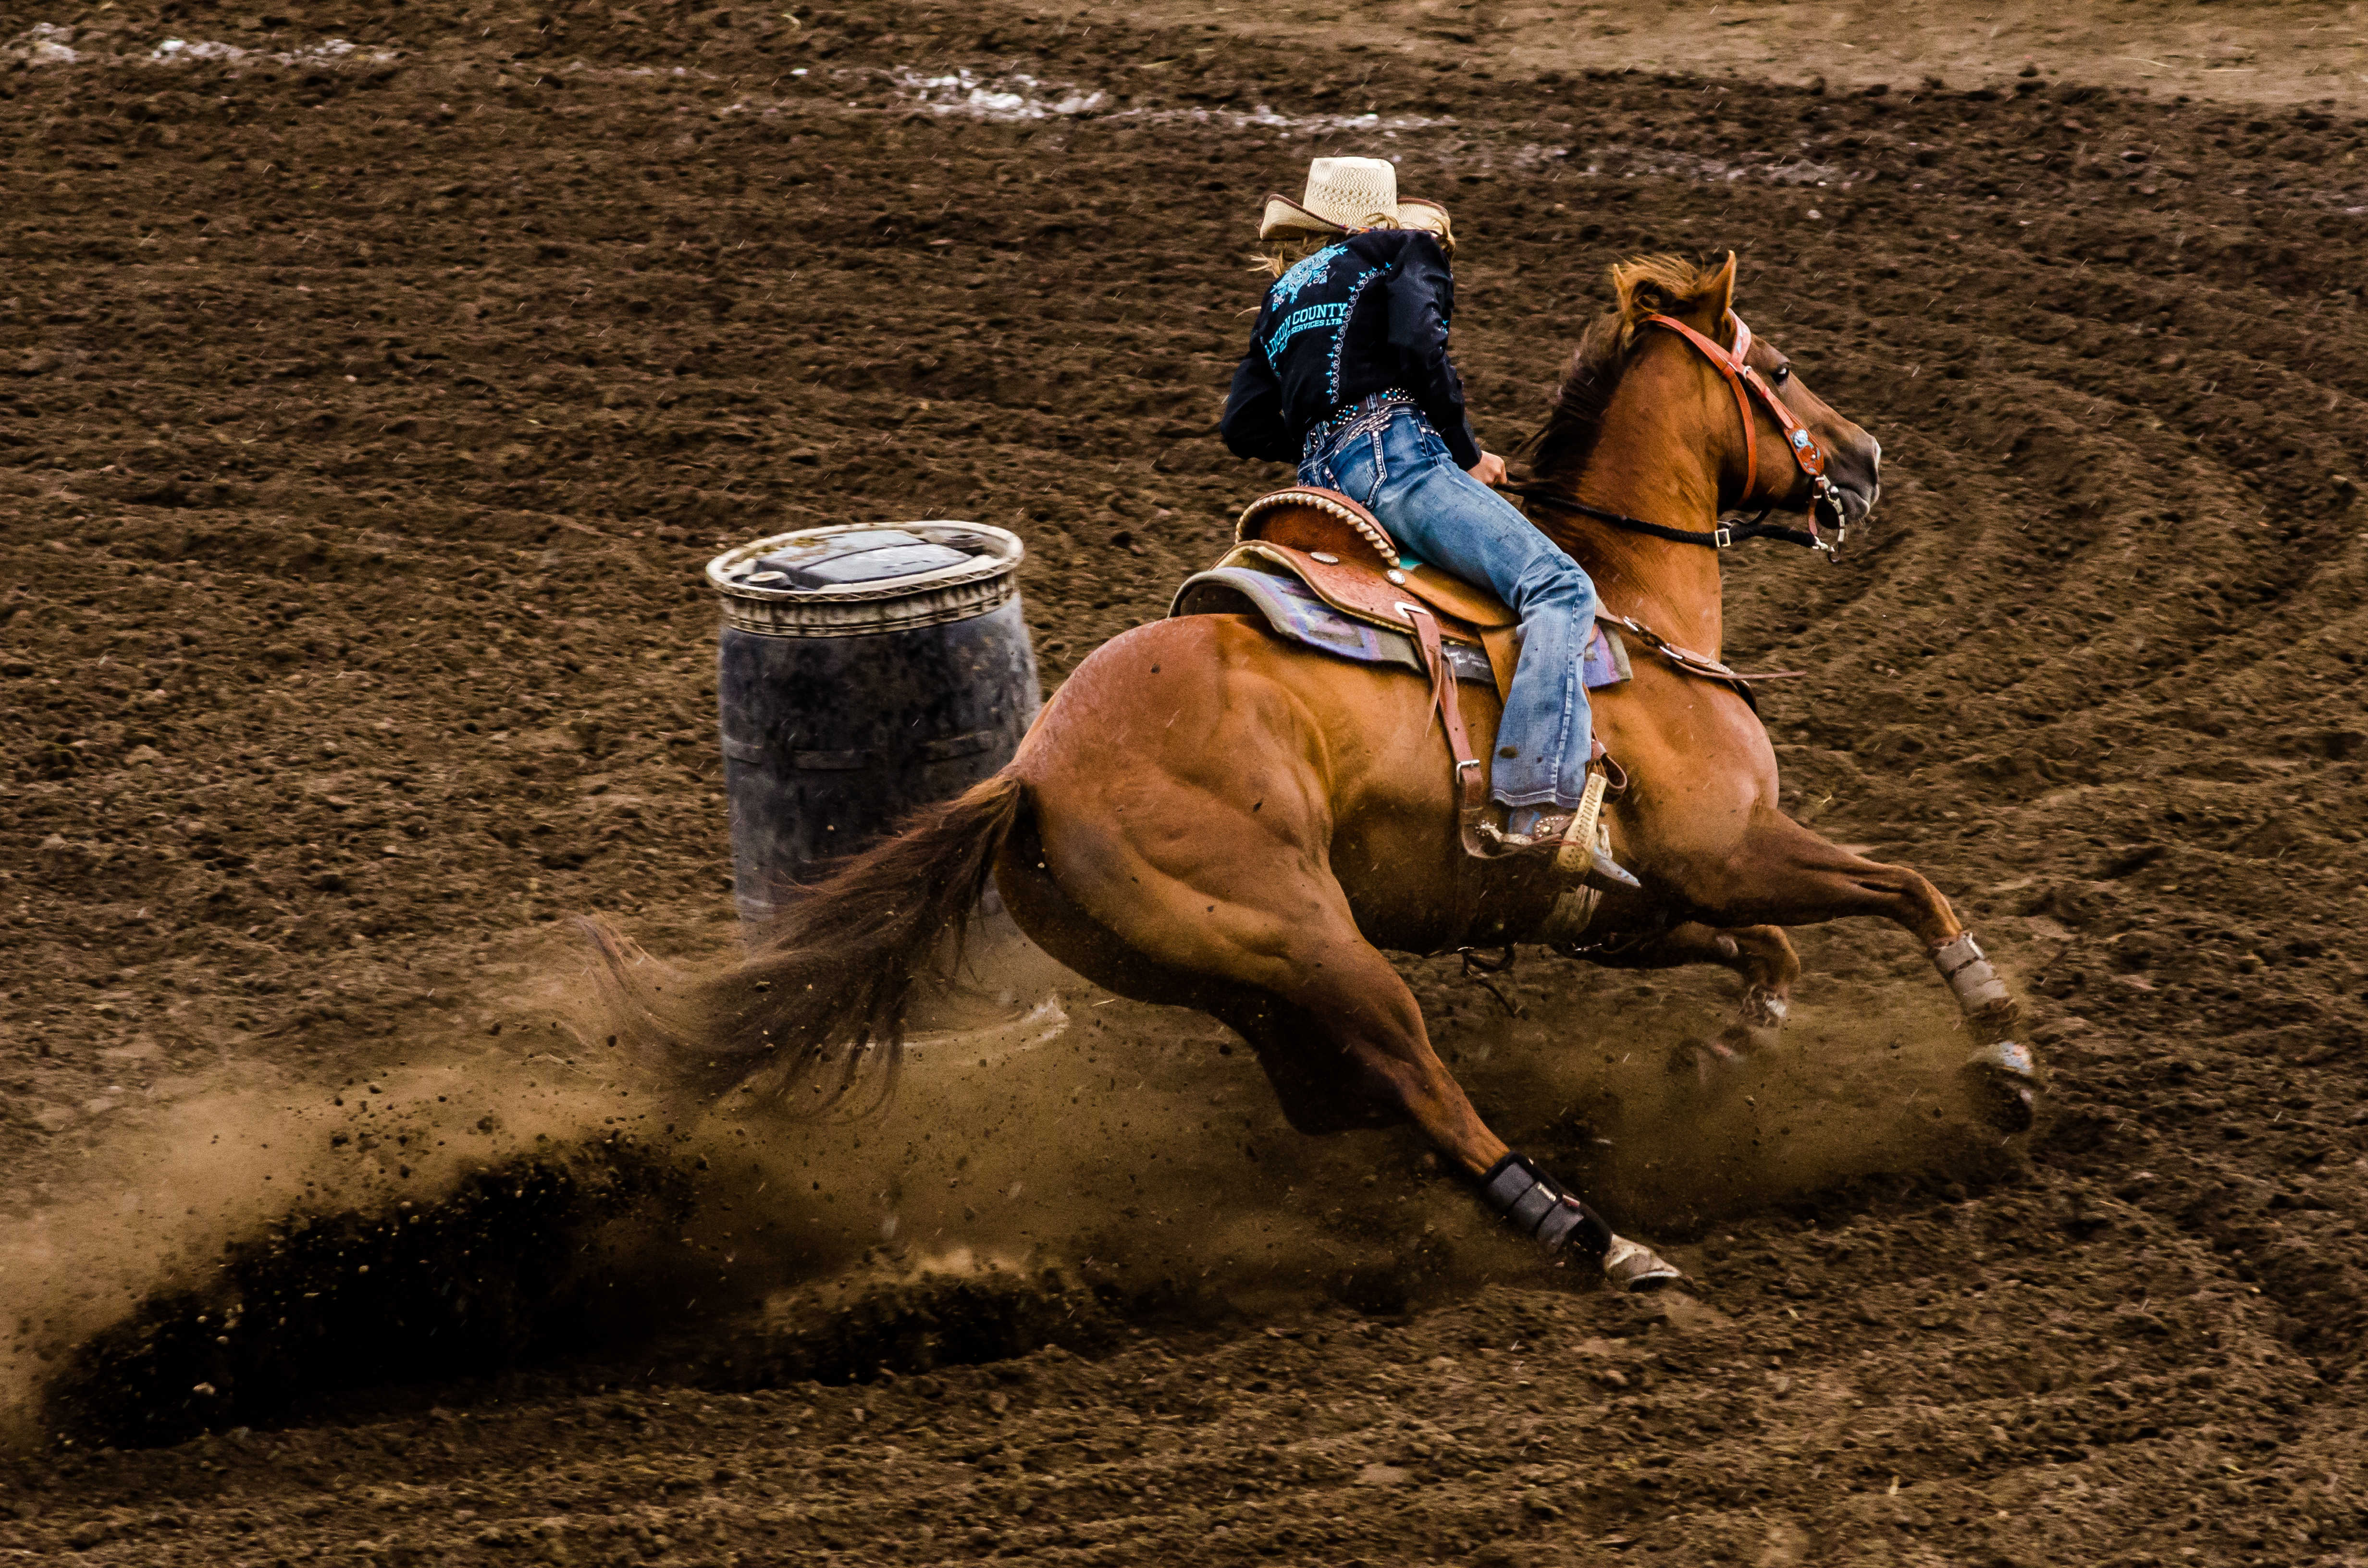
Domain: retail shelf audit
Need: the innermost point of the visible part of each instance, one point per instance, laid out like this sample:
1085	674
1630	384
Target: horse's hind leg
1761	954
1340	1013
1273	949
1364	1019
1308	1088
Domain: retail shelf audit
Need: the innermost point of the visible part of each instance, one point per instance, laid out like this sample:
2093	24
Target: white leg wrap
1977	985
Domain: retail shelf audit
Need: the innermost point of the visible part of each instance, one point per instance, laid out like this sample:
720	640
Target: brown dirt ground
2296	52
365	420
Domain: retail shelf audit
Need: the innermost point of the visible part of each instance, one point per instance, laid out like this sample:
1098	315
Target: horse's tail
827	993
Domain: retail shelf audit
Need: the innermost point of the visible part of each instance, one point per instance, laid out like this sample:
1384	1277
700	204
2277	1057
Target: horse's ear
1665	286
1719	297
1706	301
1646	296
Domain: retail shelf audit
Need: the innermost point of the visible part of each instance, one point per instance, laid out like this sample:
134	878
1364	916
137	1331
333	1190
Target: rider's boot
1571	836
1542	830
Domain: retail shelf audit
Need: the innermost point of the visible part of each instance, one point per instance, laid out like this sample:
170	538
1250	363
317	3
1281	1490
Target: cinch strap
1471	776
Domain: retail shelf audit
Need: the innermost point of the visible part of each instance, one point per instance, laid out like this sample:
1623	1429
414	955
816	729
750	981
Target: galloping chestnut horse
1207	816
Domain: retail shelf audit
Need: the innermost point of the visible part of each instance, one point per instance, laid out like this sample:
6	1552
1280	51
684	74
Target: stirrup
1586	851
1591	863
1605	874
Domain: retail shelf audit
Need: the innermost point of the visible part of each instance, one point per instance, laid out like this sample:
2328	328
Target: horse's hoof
2002	1085
1705	1062
1633	1266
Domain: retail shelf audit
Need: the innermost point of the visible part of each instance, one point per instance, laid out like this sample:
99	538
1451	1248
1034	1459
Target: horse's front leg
1781	874
1761	954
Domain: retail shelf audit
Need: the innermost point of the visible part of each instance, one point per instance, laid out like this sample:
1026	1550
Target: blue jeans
1437	513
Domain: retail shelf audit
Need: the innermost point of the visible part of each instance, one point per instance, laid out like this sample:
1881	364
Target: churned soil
373	384
2297	51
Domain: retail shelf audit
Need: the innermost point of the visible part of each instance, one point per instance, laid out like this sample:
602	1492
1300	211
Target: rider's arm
1422	297
1253	426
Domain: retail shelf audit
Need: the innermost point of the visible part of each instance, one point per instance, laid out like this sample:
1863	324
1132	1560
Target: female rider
1348	376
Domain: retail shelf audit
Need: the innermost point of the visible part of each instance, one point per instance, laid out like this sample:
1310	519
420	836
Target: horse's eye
1781	374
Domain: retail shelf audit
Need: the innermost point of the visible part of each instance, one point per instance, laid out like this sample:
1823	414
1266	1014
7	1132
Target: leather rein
1747	383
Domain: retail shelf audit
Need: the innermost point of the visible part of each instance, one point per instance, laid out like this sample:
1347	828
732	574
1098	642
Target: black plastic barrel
864	671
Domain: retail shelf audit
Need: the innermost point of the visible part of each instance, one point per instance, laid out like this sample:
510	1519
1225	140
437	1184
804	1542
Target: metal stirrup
1537	1205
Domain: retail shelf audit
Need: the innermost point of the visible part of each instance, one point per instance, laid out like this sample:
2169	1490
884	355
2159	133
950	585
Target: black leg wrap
1537	1205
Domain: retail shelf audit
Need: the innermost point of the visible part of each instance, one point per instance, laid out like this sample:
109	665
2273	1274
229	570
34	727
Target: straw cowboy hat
1349	193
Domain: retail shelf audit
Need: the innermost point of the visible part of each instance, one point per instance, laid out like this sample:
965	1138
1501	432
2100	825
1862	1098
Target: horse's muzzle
1857	473
1857	502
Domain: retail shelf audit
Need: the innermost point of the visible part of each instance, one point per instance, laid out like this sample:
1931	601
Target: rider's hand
1489	470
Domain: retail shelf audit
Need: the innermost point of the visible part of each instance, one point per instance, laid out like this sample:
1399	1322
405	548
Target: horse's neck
1674	589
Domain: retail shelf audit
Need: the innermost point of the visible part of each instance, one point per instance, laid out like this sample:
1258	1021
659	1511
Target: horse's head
1672	338
1654	292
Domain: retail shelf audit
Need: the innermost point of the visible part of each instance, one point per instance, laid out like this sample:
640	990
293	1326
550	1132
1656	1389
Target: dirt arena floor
374	384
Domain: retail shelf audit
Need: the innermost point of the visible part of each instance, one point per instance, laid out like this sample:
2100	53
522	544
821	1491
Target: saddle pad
1292	612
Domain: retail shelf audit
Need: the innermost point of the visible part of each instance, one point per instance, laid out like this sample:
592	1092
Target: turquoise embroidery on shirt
1308	269
1297	321
1340	339
1303	276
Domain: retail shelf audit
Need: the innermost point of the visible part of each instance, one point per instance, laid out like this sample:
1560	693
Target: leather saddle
1348	559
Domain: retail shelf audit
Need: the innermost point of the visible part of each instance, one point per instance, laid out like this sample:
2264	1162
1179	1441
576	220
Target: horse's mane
1641	285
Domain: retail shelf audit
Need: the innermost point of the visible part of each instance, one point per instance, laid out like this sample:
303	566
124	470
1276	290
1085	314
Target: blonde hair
1276	256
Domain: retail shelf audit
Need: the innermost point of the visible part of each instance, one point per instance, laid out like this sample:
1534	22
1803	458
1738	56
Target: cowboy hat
1349	193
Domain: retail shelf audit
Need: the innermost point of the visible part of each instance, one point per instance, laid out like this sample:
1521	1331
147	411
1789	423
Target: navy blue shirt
1363	314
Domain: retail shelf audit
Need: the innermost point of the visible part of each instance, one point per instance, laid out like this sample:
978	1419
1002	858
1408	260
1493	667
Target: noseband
1747	383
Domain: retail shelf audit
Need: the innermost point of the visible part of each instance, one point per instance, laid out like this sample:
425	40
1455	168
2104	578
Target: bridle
1747	383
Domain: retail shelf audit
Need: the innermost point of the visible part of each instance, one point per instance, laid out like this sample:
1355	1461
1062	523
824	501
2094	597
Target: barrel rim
1004	562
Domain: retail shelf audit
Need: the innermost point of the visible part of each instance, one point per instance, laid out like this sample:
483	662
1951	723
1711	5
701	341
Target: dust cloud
536	1198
